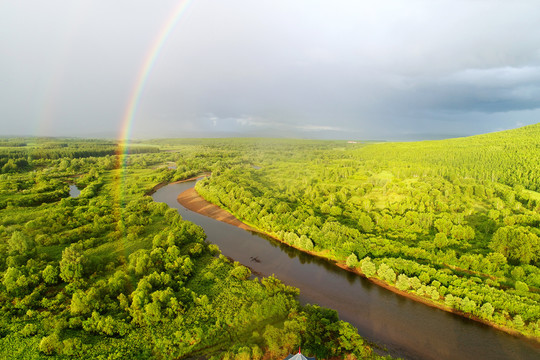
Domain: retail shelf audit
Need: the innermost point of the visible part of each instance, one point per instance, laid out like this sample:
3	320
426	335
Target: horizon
244	136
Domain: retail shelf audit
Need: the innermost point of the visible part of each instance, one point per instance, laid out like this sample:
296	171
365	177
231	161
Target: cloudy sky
337	69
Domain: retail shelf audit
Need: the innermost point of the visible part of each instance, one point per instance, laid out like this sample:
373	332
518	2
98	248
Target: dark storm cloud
323	69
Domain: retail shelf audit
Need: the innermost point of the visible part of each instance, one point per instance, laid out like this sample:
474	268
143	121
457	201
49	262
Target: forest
454	223
113	274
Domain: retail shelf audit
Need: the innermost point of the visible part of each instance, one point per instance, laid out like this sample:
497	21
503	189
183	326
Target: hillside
509	157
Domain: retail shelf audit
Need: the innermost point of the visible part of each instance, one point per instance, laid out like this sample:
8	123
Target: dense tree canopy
455	221
112	274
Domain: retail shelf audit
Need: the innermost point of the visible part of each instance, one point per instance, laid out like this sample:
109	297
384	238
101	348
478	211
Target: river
404	327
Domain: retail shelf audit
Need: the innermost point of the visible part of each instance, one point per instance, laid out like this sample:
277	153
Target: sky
337	69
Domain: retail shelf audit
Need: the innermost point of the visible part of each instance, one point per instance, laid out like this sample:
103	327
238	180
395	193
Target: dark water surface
406	328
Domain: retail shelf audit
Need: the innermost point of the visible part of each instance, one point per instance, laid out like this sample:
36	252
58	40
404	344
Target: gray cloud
328	69
489	90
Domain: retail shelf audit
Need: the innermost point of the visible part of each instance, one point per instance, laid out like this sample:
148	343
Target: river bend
406	328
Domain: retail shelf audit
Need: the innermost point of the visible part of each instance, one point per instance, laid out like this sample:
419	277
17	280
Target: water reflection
305	258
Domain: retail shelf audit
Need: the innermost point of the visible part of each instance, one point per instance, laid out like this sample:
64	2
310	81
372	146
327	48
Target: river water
404	327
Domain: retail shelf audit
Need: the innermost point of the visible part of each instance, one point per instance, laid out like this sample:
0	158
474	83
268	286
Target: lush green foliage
113	274
23	154
455	221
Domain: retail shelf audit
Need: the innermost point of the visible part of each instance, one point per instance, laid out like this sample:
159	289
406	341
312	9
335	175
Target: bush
241	272
50	344
521	286
368	268
29	330
402	282
72	347
352	261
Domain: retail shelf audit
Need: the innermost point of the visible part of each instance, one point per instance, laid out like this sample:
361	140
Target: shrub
50	344
352	261
368	268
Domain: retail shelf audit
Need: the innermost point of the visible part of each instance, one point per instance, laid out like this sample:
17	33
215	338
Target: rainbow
148	64
133	102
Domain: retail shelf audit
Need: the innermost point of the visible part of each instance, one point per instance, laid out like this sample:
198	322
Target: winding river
404	327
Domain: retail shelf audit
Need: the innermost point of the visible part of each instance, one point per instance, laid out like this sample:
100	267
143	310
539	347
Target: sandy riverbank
191	200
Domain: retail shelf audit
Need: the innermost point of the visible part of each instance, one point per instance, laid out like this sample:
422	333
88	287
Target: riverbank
191	200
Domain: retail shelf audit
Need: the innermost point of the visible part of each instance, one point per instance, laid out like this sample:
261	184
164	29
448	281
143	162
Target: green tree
241	272
305	243
368	267
50	274
29	330
352	261
79	303
402	282
443	225
440	240
516	242
468	305
272	337
365	223
487	310
19	243
386	273
518	273
518	321
72	263
51	344
10	280
521	286
9	167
